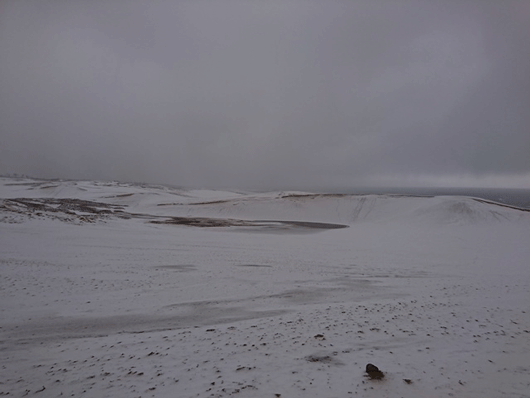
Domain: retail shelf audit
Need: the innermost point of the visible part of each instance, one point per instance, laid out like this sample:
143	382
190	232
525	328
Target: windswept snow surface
124	290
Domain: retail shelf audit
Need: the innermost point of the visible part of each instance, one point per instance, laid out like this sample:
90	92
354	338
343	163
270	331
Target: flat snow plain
127	290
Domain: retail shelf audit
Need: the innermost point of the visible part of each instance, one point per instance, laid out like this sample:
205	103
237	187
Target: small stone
371	368
373	372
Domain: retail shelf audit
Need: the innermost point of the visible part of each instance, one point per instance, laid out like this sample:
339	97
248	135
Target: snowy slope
107	293
162	201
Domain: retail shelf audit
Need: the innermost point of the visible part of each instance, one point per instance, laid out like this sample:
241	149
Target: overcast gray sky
267	94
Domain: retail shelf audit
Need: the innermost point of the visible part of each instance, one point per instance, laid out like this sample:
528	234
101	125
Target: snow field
432	290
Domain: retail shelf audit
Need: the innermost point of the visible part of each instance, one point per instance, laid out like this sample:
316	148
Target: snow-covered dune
117	290
163	201
349	209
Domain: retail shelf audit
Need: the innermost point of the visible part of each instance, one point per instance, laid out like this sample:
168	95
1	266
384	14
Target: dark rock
371	368
373	372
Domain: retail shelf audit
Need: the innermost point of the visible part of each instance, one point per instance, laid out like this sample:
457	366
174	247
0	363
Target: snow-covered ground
123	290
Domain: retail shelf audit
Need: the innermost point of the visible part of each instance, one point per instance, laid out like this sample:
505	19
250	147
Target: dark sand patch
178	268
64	328
254	265
258	225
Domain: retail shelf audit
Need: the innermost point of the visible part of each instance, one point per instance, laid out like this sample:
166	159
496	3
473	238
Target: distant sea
512	197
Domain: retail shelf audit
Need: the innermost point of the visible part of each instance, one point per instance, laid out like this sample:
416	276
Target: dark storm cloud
267	94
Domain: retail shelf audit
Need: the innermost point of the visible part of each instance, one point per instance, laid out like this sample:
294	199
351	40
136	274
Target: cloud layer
267	95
